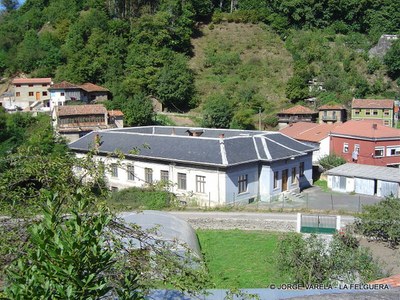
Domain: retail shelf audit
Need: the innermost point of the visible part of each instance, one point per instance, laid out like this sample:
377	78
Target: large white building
210	166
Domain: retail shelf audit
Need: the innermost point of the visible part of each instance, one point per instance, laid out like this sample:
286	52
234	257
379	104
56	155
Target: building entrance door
284	180
37	96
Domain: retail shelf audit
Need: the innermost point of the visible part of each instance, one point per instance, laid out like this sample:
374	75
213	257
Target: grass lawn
241	259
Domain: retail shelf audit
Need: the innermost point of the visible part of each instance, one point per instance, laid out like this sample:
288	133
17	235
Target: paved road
245	220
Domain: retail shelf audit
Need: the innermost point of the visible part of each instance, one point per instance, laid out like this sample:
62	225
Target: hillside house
313	134
65	91
331	114
74	121
31	93
373	109
296	114
366	142
205	165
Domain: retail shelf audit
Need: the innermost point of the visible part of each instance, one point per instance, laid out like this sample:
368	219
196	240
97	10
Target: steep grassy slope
242	61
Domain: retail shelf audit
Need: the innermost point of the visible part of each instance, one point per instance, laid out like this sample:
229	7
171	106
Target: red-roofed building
296	114
74	121
311	133
31	93
373	109
367	142
66	91
332	113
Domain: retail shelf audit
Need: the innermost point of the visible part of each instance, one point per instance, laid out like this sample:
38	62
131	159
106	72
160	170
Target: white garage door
339	183
364	186
386	188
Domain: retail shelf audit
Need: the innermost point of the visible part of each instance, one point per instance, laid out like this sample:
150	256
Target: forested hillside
234	57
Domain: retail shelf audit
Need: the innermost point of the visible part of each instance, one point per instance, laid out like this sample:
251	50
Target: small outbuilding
364	179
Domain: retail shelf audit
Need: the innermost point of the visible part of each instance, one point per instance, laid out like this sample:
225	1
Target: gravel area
242	224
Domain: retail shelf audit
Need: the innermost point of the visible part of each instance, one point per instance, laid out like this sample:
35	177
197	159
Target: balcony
329	118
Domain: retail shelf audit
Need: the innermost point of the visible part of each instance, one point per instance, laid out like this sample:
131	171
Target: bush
331	161
141	198
381	221
311	260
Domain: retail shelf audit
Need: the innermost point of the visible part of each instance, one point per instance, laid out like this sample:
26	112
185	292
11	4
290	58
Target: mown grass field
241	259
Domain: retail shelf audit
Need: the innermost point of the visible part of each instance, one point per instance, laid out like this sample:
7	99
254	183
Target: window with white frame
294	175
345	148
276	174
356	111
386	112
200	184
375	112
386	122
393	151
164	175
130	170
357	148
379	152
148	175
242	184
182	181
367	112
114	170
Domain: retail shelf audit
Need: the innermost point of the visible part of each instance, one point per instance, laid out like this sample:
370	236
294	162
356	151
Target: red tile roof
115	113
393	281
31	80
90	87
372	103
306	131
331	107
73	110
64	85
298	110
363	128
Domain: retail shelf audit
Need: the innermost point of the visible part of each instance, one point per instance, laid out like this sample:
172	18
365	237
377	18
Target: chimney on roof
374	126
222	135
173	131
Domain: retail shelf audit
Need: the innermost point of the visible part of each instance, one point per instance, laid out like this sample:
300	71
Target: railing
329	118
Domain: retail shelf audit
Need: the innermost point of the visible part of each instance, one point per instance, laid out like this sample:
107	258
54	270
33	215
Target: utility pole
259	118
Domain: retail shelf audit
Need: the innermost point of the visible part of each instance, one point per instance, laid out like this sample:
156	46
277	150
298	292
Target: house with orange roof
373	109
366	142
75	121
313	134
296	114
333	113
62	92
30	93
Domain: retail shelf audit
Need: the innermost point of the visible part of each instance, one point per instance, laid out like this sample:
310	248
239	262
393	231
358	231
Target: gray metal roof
174	144
367	172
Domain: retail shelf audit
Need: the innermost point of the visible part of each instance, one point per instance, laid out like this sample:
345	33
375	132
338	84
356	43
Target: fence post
332	200
298	225
359	203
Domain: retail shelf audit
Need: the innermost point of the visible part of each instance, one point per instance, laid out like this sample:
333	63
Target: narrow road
244	220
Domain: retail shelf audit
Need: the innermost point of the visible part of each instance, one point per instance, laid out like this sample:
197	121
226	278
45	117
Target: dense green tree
217	112
175	84
296	89
138	110
392	60
243	119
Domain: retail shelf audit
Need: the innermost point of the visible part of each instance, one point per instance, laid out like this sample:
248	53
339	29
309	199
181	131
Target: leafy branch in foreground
89	254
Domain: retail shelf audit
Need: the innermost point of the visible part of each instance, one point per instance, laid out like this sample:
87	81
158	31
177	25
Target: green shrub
331	161
141	198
